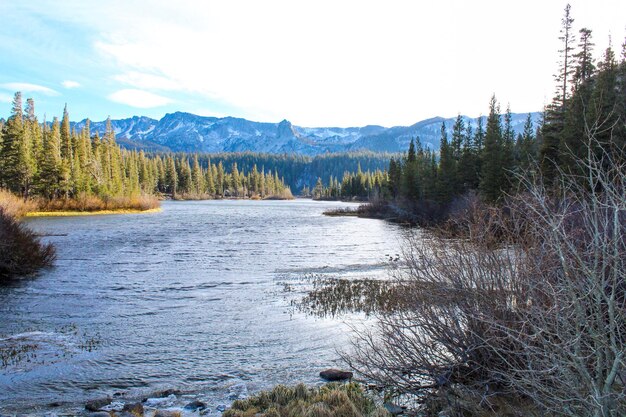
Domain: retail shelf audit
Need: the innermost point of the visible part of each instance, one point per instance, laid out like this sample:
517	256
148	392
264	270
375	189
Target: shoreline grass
69	213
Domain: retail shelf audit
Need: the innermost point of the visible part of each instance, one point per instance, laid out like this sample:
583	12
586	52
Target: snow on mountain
191	133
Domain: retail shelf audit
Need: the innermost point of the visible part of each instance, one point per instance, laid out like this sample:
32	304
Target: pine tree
526	145
447	168
410	185
18	164
509	161
493	175
573	146
554	121
66	140
219	175
171	177
395	177
50	169
197	177
458	132
585	67
235	182
566	71
468	169
604	110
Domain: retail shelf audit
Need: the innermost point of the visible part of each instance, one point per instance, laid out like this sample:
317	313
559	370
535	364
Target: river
195	298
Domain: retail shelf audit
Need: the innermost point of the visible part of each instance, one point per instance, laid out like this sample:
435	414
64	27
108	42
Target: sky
315	63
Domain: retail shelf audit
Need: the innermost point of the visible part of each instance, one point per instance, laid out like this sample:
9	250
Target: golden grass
331	400
283	195
90	213
84	202
81	205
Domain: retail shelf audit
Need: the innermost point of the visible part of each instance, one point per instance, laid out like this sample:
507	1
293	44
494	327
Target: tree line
523	311
53	162
353	185
587	114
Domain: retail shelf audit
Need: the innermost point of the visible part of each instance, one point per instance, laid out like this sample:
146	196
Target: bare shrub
21	252
530	304
15	206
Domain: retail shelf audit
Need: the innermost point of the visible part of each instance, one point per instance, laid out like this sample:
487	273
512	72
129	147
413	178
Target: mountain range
186	132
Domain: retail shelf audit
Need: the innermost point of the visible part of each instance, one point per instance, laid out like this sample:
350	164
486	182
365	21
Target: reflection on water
190	298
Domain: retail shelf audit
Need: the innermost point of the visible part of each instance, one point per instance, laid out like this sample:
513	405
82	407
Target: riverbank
349	399
379	210
90	213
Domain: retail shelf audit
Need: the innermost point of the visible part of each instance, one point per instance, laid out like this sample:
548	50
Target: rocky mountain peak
186	132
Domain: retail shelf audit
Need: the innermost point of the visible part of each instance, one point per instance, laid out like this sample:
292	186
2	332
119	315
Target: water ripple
190	297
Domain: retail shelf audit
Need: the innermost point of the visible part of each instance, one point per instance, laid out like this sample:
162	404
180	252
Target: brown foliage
14	205
21	252
85	202
527	302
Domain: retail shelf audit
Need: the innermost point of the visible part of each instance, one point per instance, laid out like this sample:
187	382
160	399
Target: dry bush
331	400
87	202
529	305
139	202
15	206
21	252
192	196
282	195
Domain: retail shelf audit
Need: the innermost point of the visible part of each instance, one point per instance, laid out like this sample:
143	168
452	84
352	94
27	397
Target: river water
195	298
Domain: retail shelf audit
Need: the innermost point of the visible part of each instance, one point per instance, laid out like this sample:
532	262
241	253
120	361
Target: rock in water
195	405
335	375
394	409
97	404
135	409
165	393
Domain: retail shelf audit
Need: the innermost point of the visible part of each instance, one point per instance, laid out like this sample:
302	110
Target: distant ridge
186	132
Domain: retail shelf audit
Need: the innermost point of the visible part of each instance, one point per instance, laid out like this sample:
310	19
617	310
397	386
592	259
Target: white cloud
70	84
327	62
29	88
139	98
5	98
147	81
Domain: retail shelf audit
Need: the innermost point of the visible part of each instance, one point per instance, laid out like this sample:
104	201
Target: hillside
185	132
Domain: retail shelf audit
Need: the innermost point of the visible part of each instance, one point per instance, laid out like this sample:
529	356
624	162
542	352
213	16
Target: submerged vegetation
331	400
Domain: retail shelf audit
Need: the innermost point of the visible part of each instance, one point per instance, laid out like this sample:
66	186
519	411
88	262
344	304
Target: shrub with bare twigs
21	252
529	305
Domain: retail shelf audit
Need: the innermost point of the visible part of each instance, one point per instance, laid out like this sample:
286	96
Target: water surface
196	297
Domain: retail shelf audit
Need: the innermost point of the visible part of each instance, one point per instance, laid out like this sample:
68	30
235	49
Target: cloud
373	63
70	84
5	98
268	66
139	98
30	88
147	81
